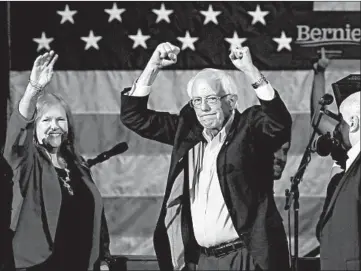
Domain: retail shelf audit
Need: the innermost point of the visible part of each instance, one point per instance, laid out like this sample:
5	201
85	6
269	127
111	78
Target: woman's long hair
68	149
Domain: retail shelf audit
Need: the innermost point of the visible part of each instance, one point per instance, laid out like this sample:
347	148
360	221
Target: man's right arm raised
134	114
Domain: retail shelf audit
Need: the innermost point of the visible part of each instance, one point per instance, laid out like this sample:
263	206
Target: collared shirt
352	154
212	223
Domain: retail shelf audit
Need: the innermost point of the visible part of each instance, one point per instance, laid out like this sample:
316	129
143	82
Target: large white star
210	15
258	15
139	39
114	13
235	40
91	40
283	42
67	15
43	42
187	41
162	13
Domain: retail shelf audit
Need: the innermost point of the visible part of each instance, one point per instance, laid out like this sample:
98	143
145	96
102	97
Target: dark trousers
51	265
45	266
6	251
239	260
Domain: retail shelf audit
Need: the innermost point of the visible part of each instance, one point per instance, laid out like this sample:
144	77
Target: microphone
117	149
323	144
326	99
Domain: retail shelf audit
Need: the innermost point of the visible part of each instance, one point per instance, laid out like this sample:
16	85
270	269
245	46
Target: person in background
59	223
280	160
318	91
214	212
326	125
275	231
339	229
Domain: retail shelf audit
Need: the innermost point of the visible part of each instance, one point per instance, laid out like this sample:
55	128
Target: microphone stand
293	194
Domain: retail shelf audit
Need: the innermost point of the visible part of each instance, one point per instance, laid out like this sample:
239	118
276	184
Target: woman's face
52	126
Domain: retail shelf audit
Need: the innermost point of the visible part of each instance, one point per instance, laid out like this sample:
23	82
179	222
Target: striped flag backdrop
103	46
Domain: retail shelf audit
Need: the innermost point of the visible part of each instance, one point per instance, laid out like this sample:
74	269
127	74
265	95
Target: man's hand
241	58
164	55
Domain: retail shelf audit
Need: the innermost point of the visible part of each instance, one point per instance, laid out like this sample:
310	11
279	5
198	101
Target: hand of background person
42	71
164	55
322	62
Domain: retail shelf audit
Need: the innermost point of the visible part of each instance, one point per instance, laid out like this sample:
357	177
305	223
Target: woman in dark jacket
59	224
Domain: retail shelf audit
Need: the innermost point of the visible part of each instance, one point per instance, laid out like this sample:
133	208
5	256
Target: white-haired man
340	225
216	205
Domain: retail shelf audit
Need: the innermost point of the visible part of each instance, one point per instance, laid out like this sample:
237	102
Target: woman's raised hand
42	71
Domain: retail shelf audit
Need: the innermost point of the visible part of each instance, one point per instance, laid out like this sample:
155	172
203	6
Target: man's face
211	116
280	159
341	133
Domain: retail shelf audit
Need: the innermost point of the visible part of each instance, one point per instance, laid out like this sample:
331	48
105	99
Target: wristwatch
260	82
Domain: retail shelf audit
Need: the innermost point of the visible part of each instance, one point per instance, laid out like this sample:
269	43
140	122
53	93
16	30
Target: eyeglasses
210	100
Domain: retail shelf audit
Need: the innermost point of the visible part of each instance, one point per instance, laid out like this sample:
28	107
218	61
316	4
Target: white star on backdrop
187	41
139	39
283	42
235	40
258	15
91	40
162	13
114	13
67	15
210	15
43	42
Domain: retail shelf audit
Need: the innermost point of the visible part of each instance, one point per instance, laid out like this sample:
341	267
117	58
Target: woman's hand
42	71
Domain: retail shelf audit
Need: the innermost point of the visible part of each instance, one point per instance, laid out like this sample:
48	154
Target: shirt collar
222	133
352	154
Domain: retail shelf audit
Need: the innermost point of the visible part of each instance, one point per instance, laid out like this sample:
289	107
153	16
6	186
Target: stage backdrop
102	48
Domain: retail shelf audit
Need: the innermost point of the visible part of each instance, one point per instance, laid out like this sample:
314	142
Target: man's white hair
226	81
350	107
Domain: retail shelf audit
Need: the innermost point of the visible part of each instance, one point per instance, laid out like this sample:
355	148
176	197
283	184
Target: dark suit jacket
340	235
36	226
6	196
331	187
246	191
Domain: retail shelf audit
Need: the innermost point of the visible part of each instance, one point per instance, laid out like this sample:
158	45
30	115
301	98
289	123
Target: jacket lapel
98	208
220	161
191	137
51	198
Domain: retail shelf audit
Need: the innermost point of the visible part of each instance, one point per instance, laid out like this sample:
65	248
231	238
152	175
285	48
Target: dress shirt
212	223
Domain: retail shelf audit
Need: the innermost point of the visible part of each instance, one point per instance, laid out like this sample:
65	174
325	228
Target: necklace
65	181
